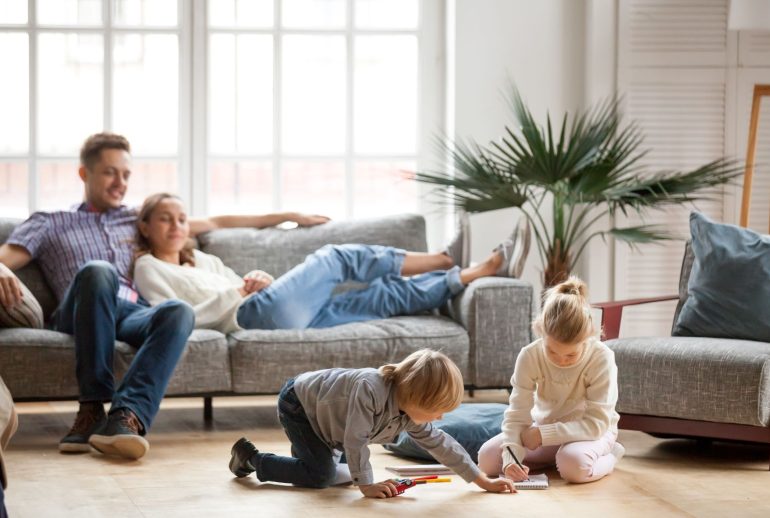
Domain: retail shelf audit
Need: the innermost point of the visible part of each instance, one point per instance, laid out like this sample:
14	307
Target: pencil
431	481
514	457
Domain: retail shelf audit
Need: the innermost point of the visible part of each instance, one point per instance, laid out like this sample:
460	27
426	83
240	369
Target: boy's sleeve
518	415
31	234
444	449
361	410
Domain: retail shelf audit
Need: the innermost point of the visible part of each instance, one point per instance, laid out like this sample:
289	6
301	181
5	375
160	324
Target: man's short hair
91	152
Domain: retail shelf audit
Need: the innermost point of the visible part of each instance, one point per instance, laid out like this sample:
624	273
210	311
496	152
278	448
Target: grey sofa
689	386
482	330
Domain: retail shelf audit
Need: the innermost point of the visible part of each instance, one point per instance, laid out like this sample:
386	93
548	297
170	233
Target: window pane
381	188
13	11
14	94
59	185
316	187
240	93
146	13
387	14
146	92
14	189
70	91
149	177
385	104
240	187
324	14
313	100
240	13
69	12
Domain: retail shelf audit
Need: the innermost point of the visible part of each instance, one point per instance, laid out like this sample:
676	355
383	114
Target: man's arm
198	226
12	257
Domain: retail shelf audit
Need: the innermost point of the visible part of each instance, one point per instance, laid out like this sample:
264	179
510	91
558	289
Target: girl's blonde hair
566	315
427	380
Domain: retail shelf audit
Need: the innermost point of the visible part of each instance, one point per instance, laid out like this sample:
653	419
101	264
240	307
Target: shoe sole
127	446
74	447
237	472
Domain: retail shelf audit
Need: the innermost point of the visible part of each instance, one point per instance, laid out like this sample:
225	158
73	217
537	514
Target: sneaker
514	251
90	418
618	450
240	463
459	249
120	436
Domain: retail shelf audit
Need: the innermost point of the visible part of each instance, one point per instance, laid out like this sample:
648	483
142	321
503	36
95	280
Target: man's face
106	182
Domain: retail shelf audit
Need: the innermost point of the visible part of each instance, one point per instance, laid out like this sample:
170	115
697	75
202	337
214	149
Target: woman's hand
308	220
531	438
515	473
255	280
496	485
386	489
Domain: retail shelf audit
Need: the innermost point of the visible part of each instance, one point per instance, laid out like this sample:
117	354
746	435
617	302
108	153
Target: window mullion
349	130
107	71
277	112
32	176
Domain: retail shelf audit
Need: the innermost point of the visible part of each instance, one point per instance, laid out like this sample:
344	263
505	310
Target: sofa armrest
497	312
612	313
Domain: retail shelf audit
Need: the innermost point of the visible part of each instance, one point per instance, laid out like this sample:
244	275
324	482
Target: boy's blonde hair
427	380
566	315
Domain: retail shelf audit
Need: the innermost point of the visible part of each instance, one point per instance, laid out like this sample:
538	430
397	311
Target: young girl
562	405
328	412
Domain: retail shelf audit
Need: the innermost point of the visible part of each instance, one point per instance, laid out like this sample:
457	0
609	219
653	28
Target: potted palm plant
590	169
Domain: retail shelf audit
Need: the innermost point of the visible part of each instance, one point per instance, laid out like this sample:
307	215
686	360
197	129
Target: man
85	254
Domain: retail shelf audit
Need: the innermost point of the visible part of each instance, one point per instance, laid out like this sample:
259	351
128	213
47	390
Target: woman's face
167	229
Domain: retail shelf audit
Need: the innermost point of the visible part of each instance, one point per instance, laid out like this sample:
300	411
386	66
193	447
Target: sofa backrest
273	250
684	278
276	251
31	275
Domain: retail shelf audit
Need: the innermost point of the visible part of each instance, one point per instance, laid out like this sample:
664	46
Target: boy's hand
497	485
386	489
531	438
515	473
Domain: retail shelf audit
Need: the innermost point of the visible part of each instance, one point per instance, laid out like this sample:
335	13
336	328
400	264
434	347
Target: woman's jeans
313	464
302	298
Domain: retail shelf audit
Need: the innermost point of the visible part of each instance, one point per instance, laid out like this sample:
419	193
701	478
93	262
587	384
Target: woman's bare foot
488	268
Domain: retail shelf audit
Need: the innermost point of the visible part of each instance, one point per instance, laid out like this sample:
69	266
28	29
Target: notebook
534	482
418	470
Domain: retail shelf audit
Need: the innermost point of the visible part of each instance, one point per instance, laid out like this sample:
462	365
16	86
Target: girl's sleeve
601	396
518	415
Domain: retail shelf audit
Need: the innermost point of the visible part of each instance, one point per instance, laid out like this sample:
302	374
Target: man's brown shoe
120	436
90	418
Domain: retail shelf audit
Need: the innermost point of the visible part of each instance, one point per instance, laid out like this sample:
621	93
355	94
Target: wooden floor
185	474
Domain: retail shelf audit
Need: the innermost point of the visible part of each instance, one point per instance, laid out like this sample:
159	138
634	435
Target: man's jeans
92	312
314	463
303	298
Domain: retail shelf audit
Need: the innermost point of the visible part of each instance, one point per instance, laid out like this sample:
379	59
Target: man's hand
255	280
308	220
531	438
515	473
386	489
496	485
10	289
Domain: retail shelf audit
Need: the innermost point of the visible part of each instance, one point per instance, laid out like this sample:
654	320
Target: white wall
541	46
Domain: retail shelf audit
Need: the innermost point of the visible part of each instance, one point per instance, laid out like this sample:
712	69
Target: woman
399	282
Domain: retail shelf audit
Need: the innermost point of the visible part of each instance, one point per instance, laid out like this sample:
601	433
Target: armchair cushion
729	285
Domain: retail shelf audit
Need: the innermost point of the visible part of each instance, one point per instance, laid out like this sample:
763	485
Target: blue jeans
302	298
92	312
313	462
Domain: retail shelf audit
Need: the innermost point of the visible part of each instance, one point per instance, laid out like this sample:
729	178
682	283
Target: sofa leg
208	410
471	392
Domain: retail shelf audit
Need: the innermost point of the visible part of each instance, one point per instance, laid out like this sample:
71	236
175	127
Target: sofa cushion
204	365
263	360
729	285
705	379
276	251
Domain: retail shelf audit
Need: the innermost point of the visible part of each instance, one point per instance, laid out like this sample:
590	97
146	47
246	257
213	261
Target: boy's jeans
302	298
313	464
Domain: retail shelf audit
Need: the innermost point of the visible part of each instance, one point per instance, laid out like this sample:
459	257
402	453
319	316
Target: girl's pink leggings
578	462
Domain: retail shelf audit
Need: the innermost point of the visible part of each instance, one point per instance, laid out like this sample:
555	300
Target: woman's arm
200	225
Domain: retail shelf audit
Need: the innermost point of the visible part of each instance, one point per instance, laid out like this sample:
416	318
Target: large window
238	105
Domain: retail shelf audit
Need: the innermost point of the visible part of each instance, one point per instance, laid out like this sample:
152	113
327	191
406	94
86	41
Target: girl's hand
497	485
254	281
386	489
515	473
531	438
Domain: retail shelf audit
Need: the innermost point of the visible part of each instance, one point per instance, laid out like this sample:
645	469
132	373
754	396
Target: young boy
327	412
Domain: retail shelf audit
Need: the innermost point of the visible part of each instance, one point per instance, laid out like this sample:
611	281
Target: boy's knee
573	465
324	478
